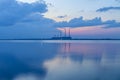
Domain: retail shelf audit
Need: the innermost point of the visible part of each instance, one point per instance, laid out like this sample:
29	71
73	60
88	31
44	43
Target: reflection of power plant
78	53
67	35
67	48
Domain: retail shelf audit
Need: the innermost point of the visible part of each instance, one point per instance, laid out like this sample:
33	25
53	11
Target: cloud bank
12	11
104	9
79	22
24	20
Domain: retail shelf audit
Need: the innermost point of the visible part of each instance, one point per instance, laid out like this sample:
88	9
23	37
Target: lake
59	60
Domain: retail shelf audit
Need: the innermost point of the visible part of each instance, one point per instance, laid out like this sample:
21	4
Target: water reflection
59	61
85	61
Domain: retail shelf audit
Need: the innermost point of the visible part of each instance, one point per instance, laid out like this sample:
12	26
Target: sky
47	18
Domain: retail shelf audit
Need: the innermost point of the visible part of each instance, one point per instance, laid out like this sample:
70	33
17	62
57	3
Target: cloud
28	1
79	22
31	13
104	9
118	1
16	11
28	77
25	20
50	5
64	16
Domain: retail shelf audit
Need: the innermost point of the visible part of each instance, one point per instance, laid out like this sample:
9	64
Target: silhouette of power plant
67	35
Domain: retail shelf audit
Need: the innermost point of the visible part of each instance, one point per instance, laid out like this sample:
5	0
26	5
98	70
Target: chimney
69	32
65	32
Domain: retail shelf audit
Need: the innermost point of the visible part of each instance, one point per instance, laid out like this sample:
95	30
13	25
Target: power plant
67	35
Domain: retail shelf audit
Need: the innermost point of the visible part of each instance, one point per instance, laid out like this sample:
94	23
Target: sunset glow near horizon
44	18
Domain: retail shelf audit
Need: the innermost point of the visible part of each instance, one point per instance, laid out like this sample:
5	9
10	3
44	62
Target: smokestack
69	32
60	34
65	32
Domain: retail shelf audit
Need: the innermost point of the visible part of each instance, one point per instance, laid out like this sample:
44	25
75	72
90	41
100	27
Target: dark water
59	60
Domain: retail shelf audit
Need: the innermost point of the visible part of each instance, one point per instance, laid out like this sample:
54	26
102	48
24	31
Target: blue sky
45	18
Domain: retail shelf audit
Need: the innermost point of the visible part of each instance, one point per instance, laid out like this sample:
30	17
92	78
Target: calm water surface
59	60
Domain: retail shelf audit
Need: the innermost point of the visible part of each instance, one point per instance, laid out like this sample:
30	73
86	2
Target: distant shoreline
59	39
